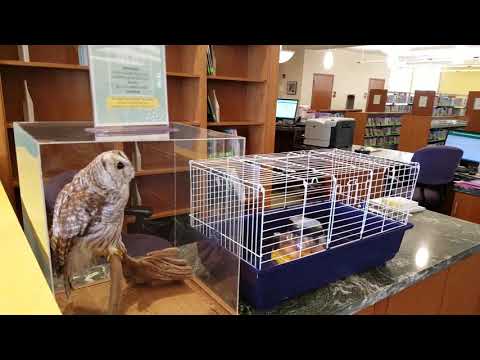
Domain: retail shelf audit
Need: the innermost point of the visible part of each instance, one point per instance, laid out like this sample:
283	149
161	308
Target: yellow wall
459	82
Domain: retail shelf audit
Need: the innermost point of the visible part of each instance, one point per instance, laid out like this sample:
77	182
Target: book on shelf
212	113
211	61
83	55
23	53
213	107
214	60
28	109
216	106
137	157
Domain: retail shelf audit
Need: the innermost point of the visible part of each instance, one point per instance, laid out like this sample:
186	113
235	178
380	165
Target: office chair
437	168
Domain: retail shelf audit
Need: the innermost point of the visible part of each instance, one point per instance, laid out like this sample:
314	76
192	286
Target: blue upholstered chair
437	169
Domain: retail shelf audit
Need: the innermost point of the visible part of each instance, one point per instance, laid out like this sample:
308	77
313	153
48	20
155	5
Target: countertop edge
408	281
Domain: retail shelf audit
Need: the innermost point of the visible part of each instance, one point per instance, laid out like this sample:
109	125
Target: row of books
448	111
211	61
450	101
383	131
219	148
436	135
82	55
213	107
383	120
384	141
399	97
398	108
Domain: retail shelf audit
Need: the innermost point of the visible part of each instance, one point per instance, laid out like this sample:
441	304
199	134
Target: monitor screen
469	142
286	108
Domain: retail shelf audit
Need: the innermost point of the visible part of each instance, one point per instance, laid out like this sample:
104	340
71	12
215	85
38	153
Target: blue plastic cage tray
267	287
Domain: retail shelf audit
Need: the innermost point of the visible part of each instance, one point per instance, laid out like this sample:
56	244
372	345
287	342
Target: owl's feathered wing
73	214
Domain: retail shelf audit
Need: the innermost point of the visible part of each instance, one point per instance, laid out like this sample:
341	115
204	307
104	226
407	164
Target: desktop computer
469	142
287	111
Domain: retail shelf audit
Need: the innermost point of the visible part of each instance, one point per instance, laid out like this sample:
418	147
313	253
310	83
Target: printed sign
476	104
422	101
128	84
376	99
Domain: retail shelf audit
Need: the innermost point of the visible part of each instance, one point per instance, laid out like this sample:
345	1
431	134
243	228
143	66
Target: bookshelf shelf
160	171
381	126
378	136
42	65
233	123
182	74
233	78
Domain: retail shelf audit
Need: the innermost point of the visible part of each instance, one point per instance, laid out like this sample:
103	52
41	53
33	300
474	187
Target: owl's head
116	170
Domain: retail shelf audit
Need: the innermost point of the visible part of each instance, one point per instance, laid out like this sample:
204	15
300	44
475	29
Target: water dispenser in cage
300	220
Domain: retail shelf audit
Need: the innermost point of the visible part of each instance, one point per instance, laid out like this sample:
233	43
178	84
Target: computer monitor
468	141
287	109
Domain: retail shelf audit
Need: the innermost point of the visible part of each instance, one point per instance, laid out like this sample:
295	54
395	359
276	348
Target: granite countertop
434	243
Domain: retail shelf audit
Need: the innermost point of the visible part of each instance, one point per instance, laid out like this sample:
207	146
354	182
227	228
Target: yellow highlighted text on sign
132	102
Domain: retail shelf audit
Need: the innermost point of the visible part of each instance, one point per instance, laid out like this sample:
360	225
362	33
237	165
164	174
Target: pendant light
285	55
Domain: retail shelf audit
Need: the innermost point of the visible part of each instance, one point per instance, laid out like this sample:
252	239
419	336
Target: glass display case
156	217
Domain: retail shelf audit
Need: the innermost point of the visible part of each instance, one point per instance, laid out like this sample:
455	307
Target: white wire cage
276	208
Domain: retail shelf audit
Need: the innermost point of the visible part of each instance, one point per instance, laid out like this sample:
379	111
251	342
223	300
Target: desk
389	154
288	138
434	272
466	205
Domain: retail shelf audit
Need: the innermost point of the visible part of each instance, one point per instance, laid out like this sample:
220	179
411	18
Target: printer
330	132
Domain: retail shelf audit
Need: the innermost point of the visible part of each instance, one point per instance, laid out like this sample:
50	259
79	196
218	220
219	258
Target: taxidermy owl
88	215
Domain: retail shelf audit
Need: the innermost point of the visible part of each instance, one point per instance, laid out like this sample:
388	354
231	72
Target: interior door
322	91
376	84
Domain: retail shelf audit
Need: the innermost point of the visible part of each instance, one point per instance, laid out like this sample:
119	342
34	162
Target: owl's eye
120	165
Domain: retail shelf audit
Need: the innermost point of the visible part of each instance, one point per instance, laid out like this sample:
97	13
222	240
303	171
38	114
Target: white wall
418	77
350	78
293	70
426	77
400	79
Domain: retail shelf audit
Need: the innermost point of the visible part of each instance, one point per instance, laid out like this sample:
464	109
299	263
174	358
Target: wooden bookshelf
245	84
363	131
472	115
418	131
414	132
360	124
233	123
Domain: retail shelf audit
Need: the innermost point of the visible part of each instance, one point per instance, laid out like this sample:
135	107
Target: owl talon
114	251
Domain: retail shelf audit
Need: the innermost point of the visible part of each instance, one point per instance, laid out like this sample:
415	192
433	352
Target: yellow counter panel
23	288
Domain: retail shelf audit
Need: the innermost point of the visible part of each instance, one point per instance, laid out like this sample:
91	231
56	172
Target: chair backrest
53	186
437	164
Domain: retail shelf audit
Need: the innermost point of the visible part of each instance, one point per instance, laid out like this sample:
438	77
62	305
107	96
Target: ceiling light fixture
285	55
328	60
